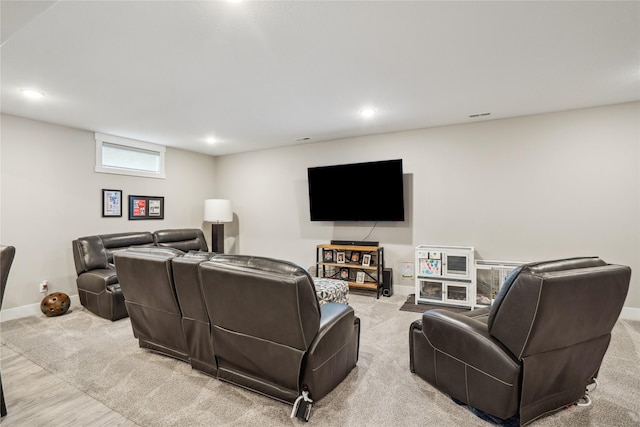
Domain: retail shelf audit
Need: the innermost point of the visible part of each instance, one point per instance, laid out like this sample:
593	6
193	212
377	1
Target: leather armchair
7	253
269	332
535	349
146	281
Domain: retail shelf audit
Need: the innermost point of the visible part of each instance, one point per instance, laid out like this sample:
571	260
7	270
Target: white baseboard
403	290
30	310
629	313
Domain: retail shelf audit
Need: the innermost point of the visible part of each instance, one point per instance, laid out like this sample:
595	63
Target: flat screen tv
371	191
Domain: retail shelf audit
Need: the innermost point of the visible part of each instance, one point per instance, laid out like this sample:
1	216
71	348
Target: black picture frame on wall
146	207
111	203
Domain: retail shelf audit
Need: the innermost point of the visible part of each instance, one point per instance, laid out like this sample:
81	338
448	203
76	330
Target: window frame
130	145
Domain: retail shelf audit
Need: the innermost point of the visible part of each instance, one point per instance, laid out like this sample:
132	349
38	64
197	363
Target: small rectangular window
124	156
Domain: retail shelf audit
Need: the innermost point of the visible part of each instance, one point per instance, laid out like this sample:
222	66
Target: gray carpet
410	305
103	359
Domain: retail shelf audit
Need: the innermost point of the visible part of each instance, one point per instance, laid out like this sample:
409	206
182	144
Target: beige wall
523	189
50	195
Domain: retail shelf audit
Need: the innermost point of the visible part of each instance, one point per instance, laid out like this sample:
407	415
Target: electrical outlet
44	286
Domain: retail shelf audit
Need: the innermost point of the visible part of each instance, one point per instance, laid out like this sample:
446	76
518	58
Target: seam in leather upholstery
331	357
91	273
151	308
466	384
464	363
239	374
435	364
477	369
253	337
304	338
533	319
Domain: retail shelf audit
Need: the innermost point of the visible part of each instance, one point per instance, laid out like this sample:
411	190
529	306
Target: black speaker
387	282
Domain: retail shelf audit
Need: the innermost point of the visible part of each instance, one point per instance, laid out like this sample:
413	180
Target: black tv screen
371	191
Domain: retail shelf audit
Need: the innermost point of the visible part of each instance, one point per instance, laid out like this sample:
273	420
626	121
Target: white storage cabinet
445	275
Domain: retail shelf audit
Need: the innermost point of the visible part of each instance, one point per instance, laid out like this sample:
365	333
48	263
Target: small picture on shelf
327	255
340	258
344	274
355	256
366	260
360	277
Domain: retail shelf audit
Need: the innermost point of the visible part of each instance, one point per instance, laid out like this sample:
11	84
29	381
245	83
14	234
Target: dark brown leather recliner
535	349
146	281
7	253
269	333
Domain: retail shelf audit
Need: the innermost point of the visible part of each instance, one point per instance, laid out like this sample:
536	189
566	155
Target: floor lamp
217	211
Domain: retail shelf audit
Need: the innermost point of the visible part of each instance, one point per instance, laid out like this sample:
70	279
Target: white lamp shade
217	210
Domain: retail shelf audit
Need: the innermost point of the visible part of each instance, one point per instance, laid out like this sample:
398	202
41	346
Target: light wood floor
36	397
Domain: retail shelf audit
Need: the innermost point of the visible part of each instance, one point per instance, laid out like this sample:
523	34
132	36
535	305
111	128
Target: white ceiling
263	74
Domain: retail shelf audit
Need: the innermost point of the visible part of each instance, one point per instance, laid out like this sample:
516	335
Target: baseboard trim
403	290
629	313
31	310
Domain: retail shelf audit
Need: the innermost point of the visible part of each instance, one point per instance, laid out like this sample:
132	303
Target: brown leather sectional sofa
251	321
97	281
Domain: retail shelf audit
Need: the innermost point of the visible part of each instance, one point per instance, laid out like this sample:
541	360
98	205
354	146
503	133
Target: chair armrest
468	340
96	281
336	330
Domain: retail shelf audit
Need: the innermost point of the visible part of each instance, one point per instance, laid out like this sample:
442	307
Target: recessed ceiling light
367	112
211	140
31	93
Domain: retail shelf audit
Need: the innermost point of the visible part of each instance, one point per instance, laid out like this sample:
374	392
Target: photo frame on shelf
146	207
327	255
360	277
340	258
355	257
366	260
111	203
344	274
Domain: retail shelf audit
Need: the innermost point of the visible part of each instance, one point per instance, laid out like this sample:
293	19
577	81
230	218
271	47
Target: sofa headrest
262	263
538	268
146	277
89	254
124	240
153	250
200	255
556	304
119	241
185	239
